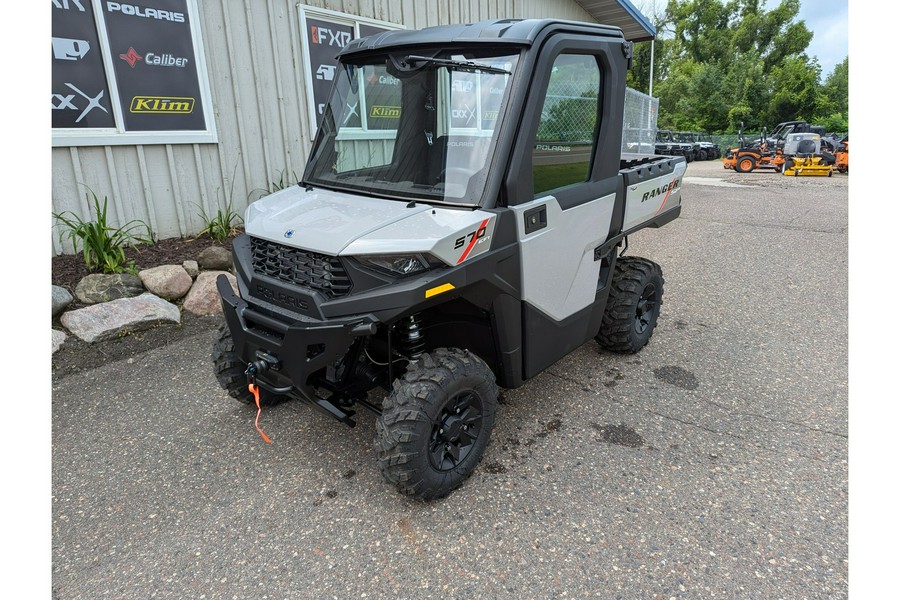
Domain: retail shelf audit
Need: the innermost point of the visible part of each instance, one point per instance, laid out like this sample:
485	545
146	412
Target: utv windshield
420	126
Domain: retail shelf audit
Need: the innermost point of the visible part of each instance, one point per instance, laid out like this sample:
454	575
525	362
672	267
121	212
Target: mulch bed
77	356
67	270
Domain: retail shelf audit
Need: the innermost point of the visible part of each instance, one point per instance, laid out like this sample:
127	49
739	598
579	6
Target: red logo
315	34
131	57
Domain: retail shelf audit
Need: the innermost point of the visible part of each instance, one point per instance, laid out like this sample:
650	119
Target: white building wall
252	51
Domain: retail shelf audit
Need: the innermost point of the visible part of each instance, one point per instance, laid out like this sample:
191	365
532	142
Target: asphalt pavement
713	464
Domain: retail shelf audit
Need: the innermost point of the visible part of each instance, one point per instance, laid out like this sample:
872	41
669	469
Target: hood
321	220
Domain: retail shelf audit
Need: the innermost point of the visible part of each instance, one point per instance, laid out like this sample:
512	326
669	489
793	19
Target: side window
564	143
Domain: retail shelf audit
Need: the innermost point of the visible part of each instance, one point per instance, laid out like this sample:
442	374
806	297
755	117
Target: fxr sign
332	37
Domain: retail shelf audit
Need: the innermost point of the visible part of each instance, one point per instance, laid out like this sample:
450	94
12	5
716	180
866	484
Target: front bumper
303	347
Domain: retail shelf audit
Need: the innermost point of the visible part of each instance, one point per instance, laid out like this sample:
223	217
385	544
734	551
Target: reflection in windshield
426	134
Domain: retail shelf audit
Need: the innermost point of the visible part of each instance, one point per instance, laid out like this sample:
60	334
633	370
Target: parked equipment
842	156
751	155
807	160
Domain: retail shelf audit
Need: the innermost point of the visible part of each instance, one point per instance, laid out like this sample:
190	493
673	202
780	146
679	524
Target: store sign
325	39
143	83
158	84
325	33
79	96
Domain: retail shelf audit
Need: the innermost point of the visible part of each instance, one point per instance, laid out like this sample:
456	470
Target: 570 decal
473	237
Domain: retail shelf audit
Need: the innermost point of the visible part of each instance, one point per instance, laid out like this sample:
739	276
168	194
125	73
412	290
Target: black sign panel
80	97
155	66
325	39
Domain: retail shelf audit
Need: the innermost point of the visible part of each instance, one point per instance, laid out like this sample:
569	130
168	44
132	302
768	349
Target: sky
827	19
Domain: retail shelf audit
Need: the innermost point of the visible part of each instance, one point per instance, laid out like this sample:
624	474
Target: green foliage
283	181
222	225
727	61
102	245
834	123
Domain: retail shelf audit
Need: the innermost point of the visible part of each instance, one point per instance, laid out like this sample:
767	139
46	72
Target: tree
732	61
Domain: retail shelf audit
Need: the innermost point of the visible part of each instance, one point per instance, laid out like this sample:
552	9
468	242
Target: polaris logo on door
162	105
147	13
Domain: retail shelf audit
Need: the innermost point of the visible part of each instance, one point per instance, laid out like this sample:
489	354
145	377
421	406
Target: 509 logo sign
162	105
69	49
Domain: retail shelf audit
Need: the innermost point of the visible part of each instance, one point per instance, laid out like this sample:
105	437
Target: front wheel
230	372
436	424
635	299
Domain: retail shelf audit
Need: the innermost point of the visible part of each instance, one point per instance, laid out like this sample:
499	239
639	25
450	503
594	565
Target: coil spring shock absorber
412	337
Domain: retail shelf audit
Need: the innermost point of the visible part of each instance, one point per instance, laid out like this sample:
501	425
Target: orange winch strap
255	391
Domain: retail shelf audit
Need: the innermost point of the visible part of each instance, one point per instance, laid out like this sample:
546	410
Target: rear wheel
436	423
745	164
635	299
702	155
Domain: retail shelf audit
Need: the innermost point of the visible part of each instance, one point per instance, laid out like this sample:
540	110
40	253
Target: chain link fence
639	127
570	111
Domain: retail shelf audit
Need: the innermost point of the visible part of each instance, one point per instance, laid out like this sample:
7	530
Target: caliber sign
155	65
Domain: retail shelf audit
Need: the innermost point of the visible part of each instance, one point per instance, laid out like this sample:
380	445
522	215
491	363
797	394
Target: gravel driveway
711	465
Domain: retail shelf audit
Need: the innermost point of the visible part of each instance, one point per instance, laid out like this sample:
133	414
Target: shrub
222	225
102	245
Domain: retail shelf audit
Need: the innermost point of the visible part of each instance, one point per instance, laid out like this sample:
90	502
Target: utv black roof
522	32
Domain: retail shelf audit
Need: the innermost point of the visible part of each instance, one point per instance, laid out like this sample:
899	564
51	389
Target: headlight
402	265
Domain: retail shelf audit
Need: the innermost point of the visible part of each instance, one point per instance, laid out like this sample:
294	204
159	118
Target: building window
564	143
128	74
324	34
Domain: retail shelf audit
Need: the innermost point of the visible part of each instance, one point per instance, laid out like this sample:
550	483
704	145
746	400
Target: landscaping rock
57	340
118	317
167	281
97	288
61	298
215	258
192	268
203	299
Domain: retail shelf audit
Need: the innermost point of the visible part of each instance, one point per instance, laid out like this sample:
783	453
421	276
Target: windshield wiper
456	64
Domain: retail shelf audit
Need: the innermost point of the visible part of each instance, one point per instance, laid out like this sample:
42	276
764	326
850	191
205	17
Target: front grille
311	270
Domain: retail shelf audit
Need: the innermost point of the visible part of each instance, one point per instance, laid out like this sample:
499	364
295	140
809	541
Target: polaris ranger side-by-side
459	226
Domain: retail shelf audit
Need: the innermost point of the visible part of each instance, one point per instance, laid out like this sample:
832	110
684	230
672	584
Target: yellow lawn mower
806	162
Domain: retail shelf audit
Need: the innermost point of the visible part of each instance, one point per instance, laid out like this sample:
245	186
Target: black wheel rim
455	430
646	309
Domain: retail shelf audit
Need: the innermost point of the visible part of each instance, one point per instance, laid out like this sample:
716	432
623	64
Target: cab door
563	186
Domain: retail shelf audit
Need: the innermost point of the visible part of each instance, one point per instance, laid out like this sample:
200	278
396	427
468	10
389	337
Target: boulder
97	288
167	281
192	268
203	299
215	258
57	340
61	298
119	317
